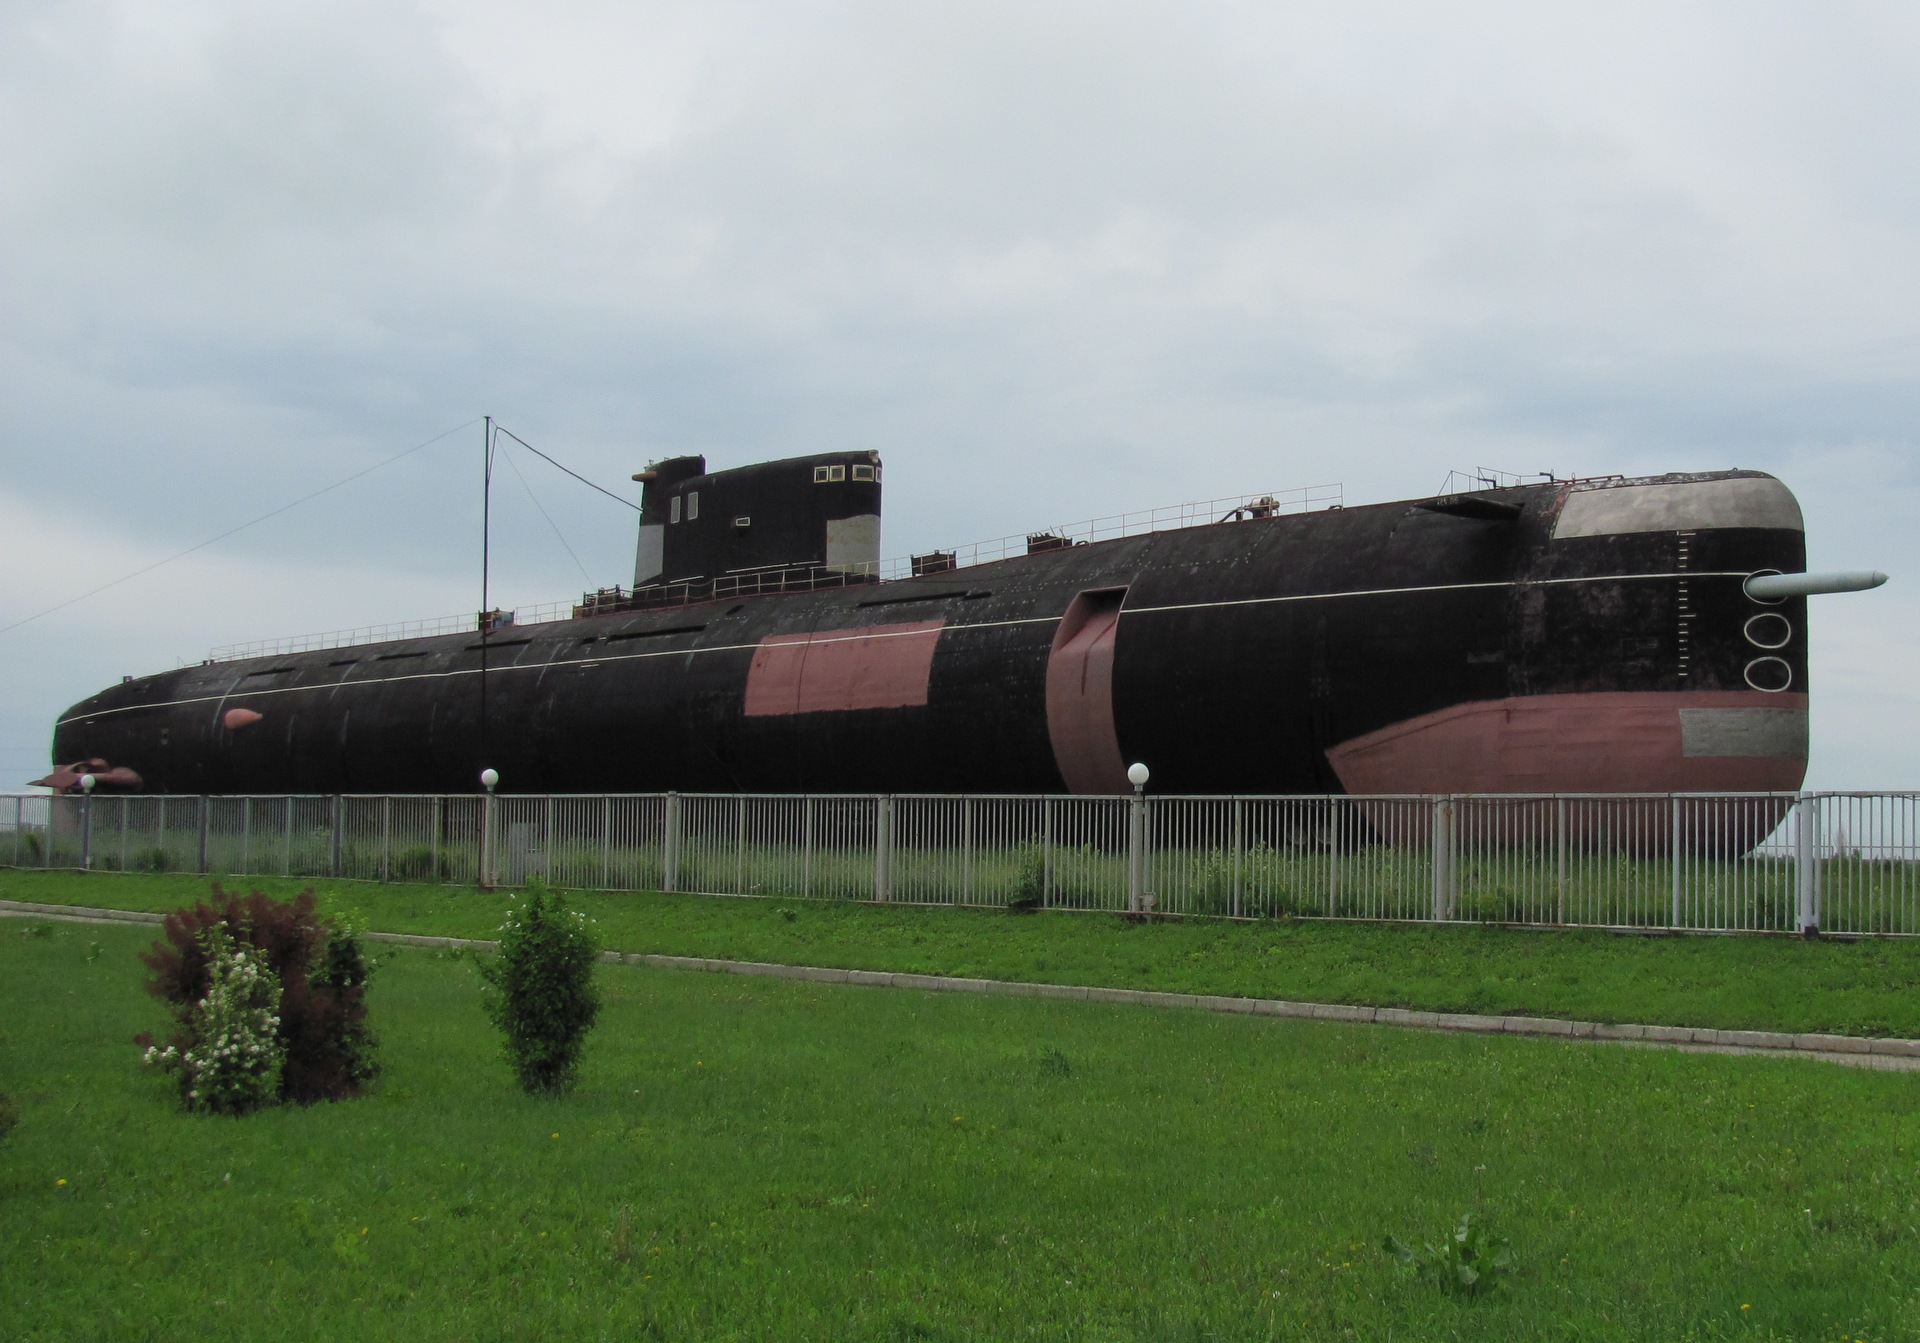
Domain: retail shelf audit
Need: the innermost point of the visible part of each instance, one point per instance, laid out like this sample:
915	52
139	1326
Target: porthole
1769	630
1764	601
1769	674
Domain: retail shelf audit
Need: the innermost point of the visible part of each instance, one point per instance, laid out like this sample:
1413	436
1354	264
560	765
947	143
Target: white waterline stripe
879	632
1436	587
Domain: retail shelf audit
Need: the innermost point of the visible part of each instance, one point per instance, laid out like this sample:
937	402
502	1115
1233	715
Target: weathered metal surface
1243	653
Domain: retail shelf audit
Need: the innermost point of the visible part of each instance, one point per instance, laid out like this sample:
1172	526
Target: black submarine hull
1592	636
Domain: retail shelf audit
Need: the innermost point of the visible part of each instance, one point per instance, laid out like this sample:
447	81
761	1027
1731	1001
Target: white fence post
1137	853
740	846
670	846
806	850
336	843
546	844
606	843
966	850
1441	844
883	848
489	876
439	834
1333	858
1806	853
1239	848
1673	846
1046	852
1560	856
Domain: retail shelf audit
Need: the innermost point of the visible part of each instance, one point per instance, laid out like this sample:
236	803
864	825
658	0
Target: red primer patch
1615	741
1086	744
830	671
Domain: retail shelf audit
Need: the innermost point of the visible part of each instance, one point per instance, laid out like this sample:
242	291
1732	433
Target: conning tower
815	516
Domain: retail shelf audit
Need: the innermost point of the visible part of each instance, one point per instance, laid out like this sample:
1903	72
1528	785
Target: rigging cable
543	513
569	470
328	489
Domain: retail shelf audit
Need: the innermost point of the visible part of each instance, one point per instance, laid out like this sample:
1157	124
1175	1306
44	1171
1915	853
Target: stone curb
1834	1048
79	913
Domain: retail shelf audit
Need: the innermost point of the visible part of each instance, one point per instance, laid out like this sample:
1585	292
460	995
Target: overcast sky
1052	260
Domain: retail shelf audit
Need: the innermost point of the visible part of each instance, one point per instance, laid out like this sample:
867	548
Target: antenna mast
486	599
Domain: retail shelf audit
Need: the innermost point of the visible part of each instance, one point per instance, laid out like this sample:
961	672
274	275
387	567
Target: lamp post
87	782
1137	775
489	779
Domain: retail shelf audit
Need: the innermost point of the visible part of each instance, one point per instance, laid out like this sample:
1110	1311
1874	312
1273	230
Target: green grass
1858	987
767	1159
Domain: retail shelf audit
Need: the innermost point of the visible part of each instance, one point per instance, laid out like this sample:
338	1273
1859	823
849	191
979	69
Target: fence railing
1763	862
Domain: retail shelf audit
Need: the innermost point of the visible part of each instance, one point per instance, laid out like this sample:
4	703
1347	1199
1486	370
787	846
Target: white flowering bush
233	1055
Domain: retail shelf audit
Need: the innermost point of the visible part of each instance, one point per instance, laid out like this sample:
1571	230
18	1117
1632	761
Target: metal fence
1768	862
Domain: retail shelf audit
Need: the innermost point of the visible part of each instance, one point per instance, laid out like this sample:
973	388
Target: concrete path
1855	1051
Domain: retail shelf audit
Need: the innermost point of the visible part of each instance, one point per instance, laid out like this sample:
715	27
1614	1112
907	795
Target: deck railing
1764	862
810	577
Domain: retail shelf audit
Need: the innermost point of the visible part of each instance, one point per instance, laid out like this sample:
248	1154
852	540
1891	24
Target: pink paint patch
1604	742
1080	726
832	671
235	719
66	778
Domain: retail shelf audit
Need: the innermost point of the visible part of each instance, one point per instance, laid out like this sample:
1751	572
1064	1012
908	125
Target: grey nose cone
1772	587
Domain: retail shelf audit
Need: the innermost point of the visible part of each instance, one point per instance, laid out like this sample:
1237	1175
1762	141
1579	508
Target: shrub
1466	1262
9	1116
539	988
1030	880
328	1048
419	862
233	1058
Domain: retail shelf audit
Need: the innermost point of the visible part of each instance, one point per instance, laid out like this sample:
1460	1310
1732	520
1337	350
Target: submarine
1610	634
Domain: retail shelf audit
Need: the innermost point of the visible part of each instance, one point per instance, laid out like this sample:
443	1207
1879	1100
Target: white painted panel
853	543
1744	732
651	556
1697	505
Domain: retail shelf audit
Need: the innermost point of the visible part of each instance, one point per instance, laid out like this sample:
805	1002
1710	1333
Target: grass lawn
767	1159
1868	987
